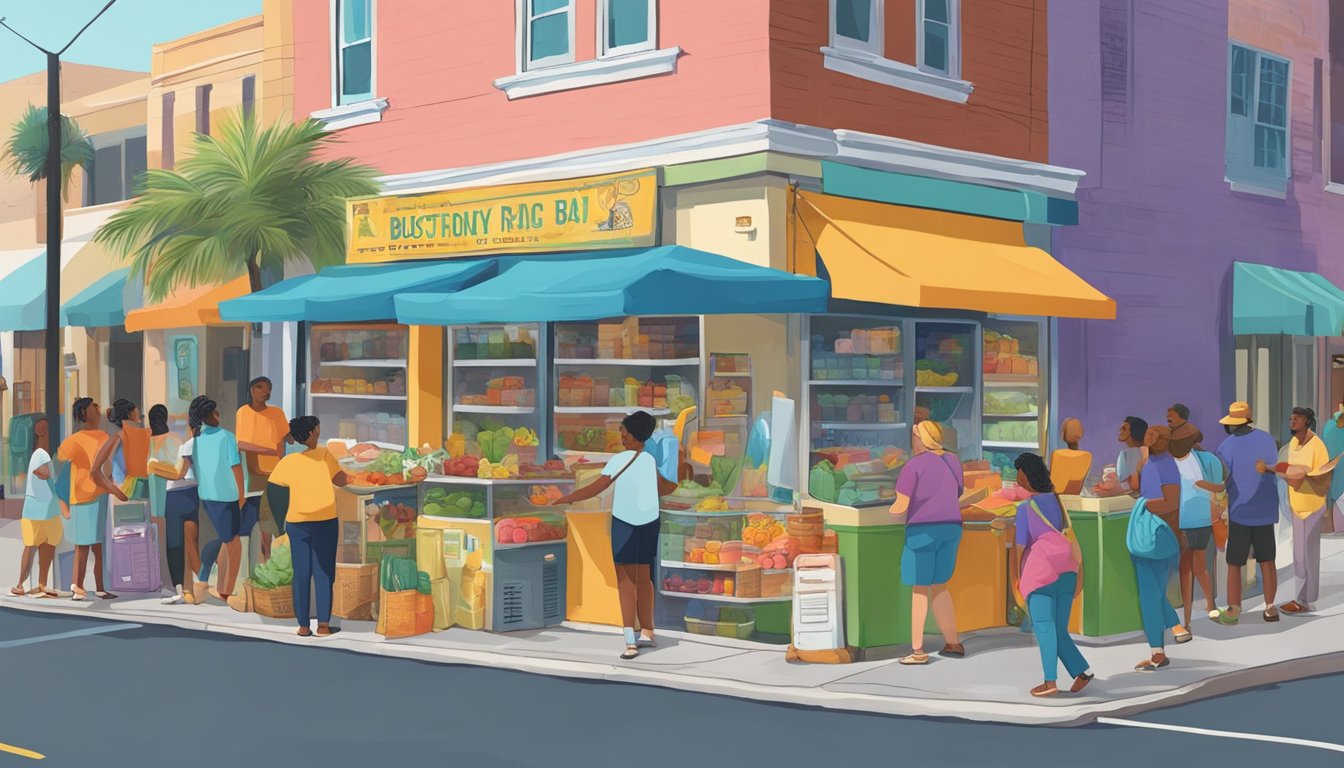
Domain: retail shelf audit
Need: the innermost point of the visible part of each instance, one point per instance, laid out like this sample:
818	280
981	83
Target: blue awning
353	293
1269	300
667	280
22	296
100	305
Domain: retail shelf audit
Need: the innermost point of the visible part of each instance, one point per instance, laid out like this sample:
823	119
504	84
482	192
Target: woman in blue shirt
634	525
219	484
1160	487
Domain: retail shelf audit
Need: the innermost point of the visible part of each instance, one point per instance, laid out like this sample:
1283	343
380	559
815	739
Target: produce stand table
980	585
1110	597
877	605
592	597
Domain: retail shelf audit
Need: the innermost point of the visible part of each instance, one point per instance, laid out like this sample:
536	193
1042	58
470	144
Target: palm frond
27	146
245	193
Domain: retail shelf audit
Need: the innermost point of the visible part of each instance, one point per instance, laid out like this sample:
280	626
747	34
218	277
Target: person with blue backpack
1154	544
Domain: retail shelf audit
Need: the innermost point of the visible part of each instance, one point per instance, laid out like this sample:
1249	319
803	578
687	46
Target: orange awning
187	308
915	257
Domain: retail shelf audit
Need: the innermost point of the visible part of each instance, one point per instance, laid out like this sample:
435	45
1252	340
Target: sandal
953	650
1294	608
1229	617
646	642
326	630
105	595
630	653
18	592
1182	636
78	595
1153	664
1271	615
915	659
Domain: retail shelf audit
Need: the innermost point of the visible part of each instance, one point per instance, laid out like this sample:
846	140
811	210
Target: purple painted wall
1138	100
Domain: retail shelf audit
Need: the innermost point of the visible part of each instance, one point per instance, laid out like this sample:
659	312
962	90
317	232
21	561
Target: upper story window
167	150
939	36
627	47
249	95
203	109
627	26
119	159
1256	149
548	33
354	51
857	47
857	24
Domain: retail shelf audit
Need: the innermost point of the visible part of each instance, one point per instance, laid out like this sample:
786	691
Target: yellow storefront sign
617	211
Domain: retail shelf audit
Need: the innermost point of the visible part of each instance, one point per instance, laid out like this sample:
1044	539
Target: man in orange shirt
263	431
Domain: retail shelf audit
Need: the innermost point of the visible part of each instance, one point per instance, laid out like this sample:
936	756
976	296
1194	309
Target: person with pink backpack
1050	577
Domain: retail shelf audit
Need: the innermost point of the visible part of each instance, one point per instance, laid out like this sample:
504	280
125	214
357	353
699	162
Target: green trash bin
1110	589
877	605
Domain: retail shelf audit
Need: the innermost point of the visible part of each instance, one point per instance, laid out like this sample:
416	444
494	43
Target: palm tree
249	198
27	147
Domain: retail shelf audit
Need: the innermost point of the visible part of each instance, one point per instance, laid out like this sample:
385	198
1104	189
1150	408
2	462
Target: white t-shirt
38	502
635	500
188	480
1195	502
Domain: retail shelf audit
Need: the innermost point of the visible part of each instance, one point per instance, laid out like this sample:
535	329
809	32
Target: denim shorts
226	517
930	554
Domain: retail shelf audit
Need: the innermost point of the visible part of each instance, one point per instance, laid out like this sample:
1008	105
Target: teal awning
1268	300
22	296
100	305
667	280
352	293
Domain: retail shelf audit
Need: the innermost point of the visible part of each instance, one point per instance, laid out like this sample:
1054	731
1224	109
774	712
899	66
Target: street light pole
55	144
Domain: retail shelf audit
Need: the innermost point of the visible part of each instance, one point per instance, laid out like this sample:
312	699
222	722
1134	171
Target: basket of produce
269	590
440	502
724	621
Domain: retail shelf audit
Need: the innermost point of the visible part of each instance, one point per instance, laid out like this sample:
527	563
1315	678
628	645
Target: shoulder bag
1053	554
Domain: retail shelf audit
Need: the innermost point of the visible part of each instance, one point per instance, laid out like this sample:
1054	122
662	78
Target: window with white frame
857	24
938	30
547	33
354	51
627	26
1256	151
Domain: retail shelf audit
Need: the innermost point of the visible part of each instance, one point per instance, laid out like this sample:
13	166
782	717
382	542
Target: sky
120	39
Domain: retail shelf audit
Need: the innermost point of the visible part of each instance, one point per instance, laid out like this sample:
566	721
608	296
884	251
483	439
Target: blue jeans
312	547
1050	607
1154	608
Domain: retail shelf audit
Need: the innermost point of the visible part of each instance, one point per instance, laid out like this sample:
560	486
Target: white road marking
1224	734
65	635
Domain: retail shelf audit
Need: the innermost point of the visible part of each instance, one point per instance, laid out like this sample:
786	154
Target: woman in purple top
1051	604
927	494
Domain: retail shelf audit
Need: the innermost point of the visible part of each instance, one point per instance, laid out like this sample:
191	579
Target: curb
1060	715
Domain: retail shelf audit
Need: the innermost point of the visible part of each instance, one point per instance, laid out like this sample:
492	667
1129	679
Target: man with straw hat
1252	508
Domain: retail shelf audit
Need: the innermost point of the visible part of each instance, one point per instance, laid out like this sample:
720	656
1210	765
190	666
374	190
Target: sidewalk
991	684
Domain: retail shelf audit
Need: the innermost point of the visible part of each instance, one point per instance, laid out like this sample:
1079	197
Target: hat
1237	415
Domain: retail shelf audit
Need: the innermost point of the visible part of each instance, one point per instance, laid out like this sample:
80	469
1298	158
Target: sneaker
172	599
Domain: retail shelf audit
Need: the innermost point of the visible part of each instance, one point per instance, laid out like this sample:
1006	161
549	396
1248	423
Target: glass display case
374	523
494	383
608	369
712	561
728	406
945	382
1014	376
858	431
519	511
357	382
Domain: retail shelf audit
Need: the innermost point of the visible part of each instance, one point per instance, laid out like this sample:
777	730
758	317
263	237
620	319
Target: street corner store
828	322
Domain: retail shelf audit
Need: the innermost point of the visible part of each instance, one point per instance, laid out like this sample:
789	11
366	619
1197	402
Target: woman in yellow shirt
311	479
1069	466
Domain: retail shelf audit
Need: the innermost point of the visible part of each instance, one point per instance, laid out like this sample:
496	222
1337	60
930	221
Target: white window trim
1256	182
953	40
878	69
1334	188
650	40
336	50
360	112
875	44
523	11
584	74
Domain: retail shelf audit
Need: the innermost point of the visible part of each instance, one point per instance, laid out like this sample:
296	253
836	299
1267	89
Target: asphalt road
89	692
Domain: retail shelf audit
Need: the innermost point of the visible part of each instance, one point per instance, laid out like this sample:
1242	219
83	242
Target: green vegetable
821	482
726	472
435	509
937	366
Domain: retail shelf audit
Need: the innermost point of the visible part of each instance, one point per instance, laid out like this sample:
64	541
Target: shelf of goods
606	370
494	384
857	396
728	402
945	378
1014	397
358	382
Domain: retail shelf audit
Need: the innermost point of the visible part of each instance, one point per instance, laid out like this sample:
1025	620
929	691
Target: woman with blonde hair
928	495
